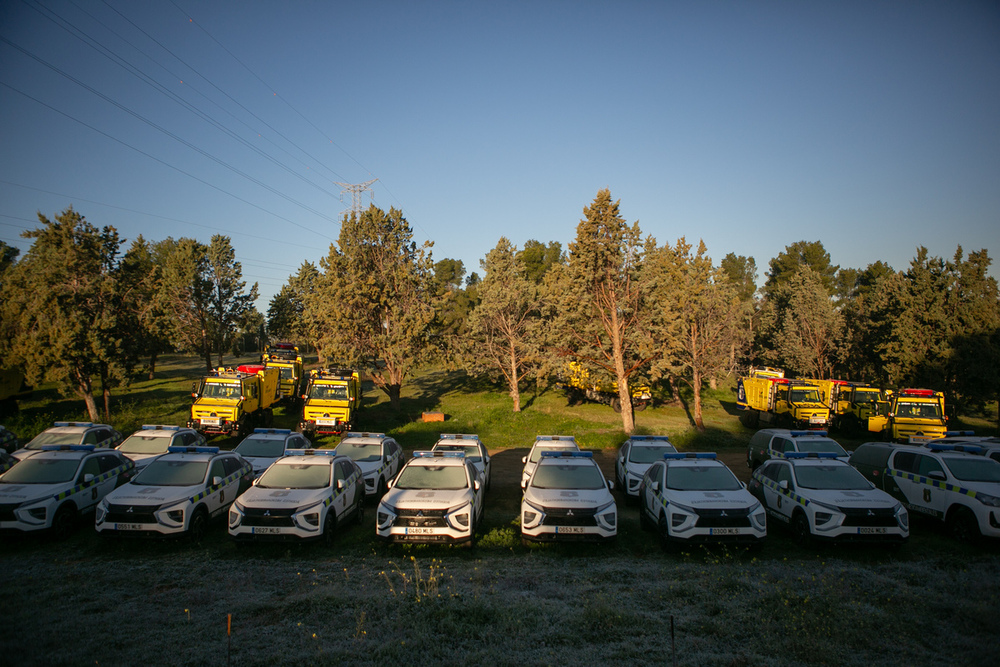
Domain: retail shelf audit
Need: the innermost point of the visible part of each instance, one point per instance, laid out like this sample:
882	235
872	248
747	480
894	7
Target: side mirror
255	480
476	485
524	459
391	483
87	478
783	485
611	485
340	485
936	474
655	486
216	480
524	485
744	485
303	397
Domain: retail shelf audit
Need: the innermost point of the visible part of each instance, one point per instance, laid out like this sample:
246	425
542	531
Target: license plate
326	422
570	529
725	531
816	420
419	531
128	526
871	531
210	422
266	531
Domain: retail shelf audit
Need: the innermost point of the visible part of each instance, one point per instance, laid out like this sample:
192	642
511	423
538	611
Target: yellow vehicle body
766	397
579	383
859	408
286	358
232	402
914	415
331	401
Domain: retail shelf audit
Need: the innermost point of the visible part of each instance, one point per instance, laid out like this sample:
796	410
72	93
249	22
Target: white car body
545	443
634	458
568	512
378	469
858	511
687	508
152	440
474	449
141	508
72	433
280	440
930	486
428	511
90	474
276	512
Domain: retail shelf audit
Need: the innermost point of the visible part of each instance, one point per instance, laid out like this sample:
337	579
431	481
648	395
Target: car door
651	500
905	486
477	494
88	498
218	499
343	495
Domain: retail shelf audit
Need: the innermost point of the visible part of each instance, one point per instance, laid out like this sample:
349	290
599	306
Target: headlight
902	518
986	499
308	517
386	514
459	517
826	518
37	513
235	515
608	513
759	516
101	511
172	515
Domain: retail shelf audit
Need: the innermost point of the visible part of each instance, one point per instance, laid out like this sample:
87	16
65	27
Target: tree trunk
206	350
152	365
85	390
515	392
699	424
393	391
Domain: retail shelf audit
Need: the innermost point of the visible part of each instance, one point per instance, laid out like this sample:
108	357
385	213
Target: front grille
421	518
130	514
7	512
579	516
731	518
268	518
870	517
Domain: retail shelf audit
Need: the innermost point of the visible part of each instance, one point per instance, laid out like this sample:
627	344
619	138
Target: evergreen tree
228	304
801	253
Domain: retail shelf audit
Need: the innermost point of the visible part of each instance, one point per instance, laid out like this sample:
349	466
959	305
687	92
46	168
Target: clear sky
871	126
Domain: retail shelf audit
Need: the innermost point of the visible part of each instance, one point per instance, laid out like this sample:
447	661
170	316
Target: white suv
634	458
56	484
307	494
177	493
562	443
437	498
379	456
266	445
152	440
473	448
567	498
72	433
821	497
695	497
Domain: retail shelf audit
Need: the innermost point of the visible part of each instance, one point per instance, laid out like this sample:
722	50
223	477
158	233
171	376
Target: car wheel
381	489
800	526
64	520
330	527
664	532
360	509
199	524
644	521
962	524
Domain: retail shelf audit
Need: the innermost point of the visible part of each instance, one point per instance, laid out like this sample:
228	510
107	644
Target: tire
663	532
749	418
64	521
199	524
616	404
963	525
330	527
800	527
644	521
380	489
640	406
359	511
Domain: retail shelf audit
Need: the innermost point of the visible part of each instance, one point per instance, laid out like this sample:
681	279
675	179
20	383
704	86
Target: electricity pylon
356	192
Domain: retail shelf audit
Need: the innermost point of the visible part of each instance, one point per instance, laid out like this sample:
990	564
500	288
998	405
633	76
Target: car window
91	466
784	474
927	465
905	461
655	472
339	473
780	444
218	469
109	462
231	465
90	438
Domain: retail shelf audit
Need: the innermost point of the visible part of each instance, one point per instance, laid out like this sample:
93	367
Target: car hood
637	469
282	498
426	498
850	499
261	463
738	499
11	494
142	494
568	498
988	488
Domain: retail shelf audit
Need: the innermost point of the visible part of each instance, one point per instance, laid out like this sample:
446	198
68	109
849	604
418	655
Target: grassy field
90	601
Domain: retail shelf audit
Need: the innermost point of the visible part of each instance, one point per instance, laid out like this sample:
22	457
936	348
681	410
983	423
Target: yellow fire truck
914	414
286	358
234	402
331	401
766	396
580	385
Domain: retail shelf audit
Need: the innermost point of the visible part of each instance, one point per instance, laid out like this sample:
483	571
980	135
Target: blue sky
870	126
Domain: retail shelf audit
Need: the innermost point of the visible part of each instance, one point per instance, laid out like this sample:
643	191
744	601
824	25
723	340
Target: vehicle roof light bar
439	455
796	434
310	452
548	453
277	431
193	450
689	455
808	455
940	447
68	448
160	427
74	423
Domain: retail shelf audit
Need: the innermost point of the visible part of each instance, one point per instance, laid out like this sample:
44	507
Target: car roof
695	462
436	460
193	456
650	441
812	461
567	460
364	438
77	452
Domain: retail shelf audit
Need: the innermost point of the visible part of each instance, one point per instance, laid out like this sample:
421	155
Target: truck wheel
616	404
640	406
963	525
749	418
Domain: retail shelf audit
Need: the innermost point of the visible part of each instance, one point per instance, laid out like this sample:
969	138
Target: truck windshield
803	396
701	478
286	373
172	473
295	476
913	410
554	476
220	390
328	392
841	477
433	477
41	471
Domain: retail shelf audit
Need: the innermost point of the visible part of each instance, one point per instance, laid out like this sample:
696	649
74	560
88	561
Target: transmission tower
356	192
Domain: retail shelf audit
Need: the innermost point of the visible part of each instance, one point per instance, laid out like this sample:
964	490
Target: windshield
471	451
145	444
286	373
295	476
701	478
268	447
830	477
866	395
432	477
536	452
970	470
918	410
47	438
803	396
361	453
36	470
649	454
824	445
172	473
552	476
328	392
220	390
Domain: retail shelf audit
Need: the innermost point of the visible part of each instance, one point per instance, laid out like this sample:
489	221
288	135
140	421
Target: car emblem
267	512
129	509
420	512
569	513
723	513
871	513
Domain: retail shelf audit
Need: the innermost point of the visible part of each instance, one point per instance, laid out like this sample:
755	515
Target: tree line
628	309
